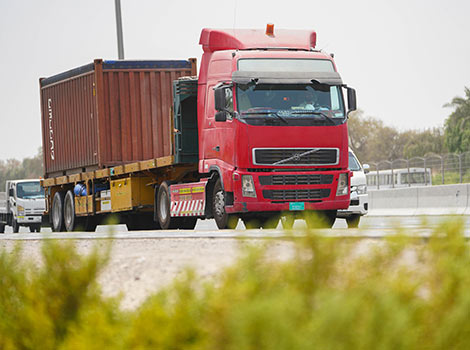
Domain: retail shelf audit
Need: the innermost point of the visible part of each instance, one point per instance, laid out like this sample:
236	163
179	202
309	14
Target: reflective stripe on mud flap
188	199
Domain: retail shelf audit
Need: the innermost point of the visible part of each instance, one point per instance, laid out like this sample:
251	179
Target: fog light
248	186
343	186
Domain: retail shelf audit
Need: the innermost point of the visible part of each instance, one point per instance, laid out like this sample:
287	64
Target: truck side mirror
352	105
366	168
11	193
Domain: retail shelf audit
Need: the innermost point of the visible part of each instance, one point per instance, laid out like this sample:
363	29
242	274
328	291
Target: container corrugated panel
108	113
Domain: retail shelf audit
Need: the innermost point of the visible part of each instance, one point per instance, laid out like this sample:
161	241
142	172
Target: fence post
460	167
409	177
426	174
378	174
442	169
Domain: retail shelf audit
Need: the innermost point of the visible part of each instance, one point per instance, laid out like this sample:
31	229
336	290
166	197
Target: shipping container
109	113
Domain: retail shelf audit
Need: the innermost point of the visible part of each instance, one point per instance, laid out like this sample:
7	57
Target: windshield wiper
326	117
266	113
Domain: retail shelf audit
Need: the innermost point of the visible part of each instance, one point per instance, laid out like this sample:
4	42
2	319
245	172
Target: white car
359	204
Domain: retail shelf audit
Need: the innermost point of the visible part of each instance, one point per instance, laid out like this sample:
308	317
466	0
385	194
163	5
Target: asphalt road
370	226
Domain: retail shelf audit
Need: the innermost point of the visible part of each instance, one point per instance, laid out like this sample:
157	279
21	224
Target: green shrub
397	293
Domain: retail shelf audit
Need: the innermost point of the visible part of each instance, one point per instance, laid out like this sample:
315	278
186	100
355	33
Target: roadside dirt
140	267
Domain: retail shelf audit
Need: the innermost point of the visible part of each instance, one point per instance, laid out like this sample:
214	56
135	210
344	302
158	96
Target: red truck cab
272	124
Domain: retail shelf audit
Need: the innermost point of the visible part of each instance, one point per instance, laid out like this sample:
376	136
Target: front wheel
15	226
222	219
2	228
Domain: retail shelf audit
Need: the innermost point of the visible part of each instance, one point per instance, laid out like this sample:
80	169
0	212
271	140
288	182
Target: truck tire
15	226
162	202
323	219
222	219
69	212
353	220
58	212
2	228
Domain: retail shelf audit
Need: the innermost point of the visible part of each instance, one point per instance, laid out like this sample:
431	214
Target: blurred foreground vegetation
397	293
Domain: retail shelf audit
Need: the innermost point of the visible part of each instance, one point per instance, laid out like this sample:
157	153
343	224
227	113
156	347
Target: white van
359	198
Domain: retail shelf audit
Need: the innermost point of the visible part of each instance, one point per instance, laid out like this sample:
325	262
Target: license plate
296	206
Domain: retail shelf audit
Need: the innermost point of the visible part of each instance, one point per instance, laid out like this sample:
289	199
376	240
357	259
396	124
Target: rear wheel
2	228
57	212
69	212
222	219
353	220
162	201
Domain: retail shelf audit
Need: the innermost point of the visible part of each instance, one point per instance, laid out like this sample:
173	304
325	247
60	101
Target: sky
405	58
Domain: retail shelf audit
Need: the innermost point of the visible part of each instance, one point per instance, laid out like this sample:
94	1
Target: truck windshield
29	190
353	163
290	104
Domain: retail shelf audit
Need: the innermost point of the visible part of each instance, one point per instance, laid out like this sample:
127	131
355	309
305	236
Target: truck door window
210	103
229	102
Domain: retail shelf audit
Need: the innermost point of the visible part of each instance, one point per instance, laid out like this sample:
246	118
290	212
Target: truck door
219	136
11	197
210	139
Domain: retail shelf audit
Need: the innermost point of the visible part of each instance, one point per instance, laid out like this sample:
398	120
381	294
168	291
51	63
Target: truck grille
295	156
296	179
296	194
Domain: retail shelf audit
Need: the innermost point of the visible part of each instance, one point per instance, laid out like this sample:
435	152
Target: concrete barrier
427	200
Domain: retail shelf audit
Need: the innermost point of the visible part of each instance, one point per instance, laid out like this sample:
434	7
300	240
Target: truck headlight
360	189
248	186
343	185
20	210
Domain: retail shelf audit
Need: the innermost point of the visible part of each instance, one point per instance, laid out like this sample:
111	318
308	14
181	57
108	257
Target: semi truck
260	134
22	204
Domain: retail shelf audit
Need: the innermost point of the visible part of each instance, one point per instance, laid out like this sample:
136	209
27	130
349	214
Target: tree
419	143
13	169
457	125
372	141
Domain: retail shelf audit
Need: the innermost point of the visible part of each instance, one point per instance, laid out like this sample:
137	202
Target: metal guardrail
429	200
438	169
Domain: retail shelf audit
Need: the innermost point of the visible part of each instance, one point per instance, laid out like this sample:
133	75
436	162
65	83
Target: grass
401	293
450	177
